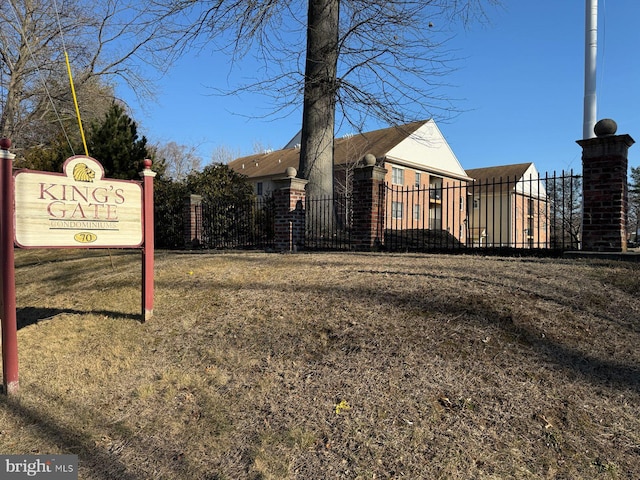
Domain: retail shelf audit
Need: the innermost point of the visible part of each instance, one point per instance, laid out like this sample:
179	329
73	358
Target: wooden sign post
148	249
9	320
78	208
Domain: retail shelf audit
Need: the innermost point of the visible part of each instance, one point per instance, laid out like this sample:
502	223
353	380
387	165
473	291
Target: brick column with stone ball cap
290	204
604	189
367	231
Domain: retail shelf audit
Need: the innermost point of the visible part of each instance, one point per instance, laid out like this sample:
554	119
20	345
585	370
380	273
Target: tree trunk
7	120
318	114
12	99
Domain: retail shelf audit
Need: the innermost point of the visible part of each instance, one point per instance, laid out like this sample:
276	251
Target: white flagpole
590	51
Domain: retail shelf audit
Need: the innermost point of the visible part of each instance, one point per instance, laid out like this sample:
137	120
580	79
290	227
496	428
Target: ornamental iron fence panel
540	214
248	224
523	214
328	222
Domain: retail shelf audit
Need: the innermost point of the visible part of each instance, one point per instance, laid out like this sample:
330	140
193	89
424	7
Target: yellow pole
75	102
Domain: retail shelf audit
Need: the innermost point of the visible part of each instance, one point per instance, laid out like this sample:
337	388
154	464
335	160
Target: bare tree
353	156
104	41
319	99
257	146
361	58
392	54
179	160
223	155
564	213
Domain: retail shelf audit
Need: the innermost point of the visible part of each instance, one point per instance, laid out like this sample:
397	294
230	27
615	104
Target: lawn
318	366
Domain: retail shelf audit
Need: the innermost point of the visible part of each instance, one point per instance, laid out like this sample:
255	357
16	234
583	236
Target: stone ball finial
147	163
5	143
369	159
291	172
605	127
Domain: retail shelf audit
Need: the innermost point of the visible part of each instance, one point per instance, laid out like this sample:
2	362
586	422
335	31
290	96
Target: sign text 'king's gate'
78	208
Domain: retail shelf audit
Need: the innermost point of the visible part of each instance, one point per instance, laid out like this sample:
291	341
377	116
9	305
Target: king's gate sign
78	208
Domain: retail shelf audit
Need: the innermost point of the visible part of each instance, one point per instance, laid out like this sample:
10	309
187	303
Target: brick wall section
192	221
604	185
368	210
289	198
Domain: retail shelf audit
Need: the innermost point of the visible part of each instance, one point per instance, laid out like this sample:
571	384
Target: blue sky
519	84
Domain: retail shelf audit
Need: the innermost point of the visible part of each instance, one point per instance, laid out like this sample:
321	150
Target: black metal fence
532	214
425	218
328	222
169	219
535	213
236	224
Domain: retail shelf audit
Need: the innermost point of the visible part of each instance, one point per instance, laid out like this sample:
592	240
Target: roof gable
522	178
427	148
352	148
418	144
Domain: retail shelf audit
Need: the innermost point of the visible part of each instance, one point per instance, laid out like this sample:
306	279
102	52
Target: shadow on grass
33	315
36	257
597	371
102	462
71	442
483	313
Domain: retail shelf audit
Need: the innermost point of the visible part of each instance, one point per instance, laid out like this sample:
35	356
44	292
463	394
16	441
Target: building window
259	188
461	203
397	176
416	212
396	210
418	179
435	189
476	203
435	218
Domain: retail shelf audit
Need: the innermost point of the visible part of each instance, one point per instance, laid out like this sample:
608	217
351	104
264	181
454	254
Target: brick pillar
604	188
192	221
368	191
290	199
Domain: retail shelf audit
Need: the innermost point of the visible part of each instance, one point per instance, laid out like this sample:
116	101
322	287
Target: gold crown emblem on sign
82	173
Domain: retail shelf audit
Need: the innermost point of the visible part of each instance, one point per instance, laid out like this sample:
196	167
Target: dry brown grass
442	366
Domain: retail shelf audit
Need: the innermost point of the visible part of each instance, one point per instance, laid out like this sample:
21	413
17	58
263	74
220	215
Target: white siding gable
530	184
427	149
